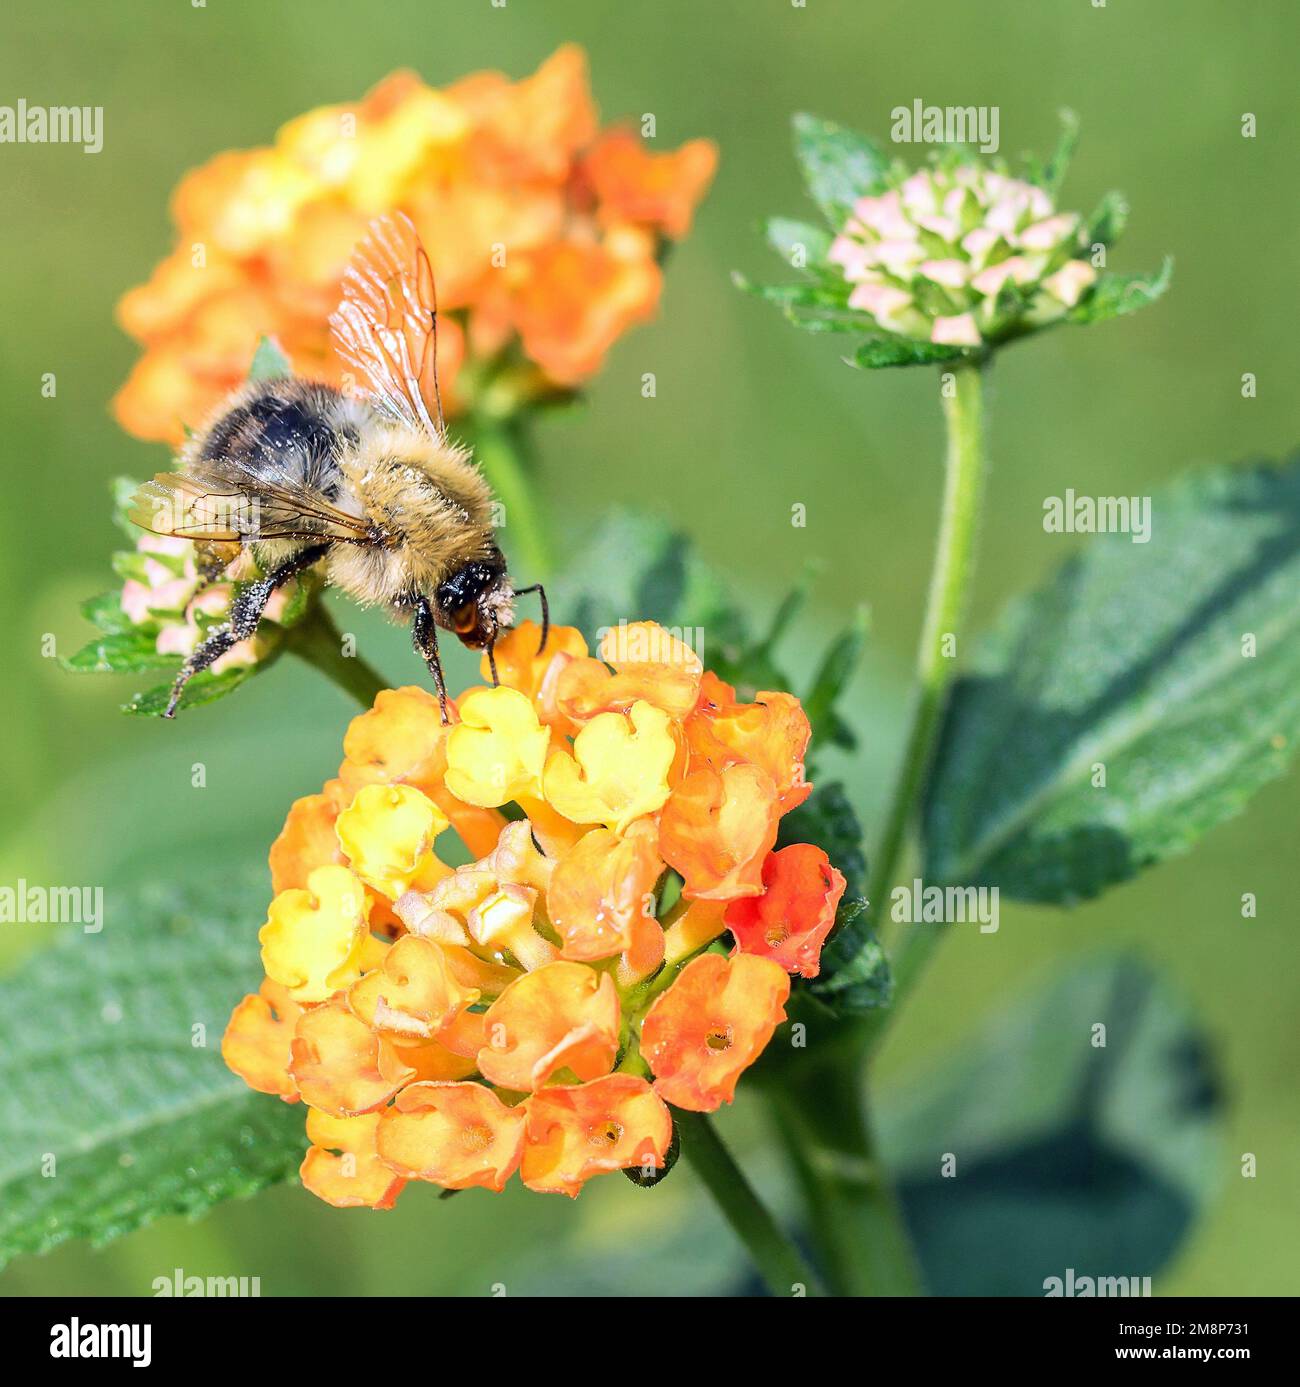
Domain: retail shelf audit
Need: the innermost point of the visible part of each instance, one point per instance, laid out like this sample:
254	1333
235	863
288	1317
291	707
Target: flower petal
456	1135
387	834
618	770
603	889
563	1016
496	752
340	1065
789	922
413	994
772	733
355	1177
581	1130
717	828
711	1025
257	1039
312	940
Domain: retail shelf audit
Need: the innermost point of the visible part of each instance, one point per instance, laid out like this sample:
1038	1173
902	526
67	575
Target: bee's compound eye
465	619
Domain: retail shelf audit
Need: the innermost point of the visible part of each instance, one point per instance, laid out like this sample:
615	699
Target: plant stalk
318	641
950	581
855	1218
779	1262
825	1123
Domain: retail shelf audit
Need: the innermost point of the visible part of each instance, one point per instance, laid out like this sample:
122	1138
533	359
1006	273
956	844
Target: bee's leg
546	610
424	636
245	614
492	661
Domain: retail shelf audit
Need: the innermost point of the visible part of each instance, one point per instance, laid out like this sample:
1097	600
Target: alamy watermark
919	904
1098	515
24	124
23	904
969	125
77	1340
223	1287
1085	1286
639	642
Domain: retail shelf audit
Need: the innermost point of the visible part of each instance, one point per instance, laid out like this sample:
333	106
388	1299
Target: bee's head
476	602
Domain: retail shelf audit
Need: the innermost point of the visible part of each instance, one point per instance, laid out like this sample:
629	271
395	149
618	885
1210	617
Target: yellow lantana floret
388	833
498	750
313	941
618	770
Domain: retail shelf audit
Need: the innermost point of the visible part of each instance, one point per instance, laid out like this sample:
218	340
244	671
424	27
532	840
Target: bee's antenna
546	611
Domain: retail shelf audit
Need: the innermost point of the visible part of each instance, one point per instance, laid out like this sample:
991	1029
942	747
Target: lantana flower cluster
621	943
544	231
961	254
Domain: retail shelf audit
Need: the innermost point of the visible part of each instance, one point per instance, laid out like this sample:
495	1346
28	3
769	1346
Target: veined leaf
1114	296
1109	220
1070	1153
902	351
105	611
799	244
1134	703
120	652
839	166
204	687
113	1113
635	567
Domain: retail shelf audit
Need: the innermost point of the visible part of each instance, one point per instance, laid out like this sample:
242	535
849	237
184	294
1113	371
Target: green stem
825	1122
855	1217
318	641
500	449
777	1259
965	469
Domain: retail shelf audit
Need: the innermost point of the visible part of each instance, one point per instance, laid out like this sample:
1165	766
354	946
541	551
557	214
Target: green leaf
832	677
1132	660
1114	296
799	244
821	291
123	491
1070	1154
204	687
839	166
877	352
269	361
105	611
120	652
1058	165
100	1073
636	567
1107	223
855	971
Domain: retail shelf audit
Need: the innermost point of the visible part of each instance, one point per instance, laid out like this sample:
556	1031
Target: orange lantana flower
711	1025
544	236
456	1135
536	1009
577	1131
789	922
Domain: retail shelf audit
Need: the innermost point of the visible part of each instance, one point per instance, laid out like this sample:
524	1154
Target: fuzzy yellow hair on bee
369	487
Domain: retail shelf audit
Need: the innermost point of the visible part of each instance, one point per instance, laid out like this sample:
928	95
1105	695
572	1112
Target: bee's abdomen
285	429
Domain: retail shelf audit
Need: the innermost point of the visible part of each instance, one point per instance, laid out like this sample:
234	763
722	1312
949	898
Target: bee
366	486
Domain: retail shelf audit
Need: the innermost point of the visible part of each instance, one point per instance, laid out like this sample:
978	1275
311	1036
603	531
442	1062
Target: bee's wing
386	327
222	501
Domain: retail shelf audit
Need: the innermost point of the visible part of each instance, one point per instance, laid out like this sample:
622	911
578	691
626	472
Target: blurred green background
750	417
